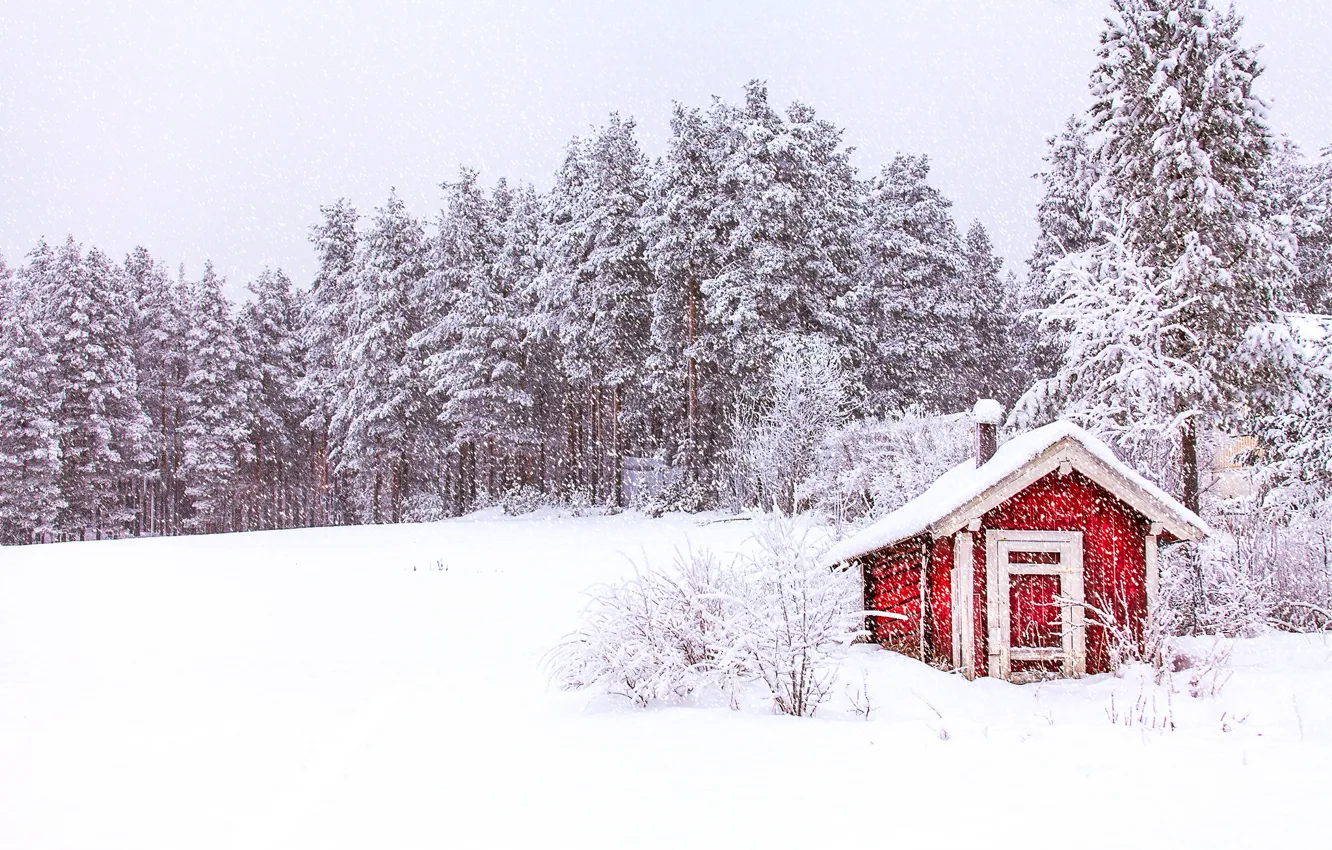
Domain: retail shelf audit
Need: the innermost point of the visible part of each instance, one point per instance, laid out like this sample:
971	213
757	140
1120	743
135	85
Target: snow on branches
774	617
1117	376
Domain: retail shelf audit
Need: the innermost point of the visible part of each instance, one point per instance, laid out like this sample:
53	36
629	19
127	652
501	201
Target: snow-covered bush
652	637
873	466
775	617
679	494
1254	573
425	507
795	620
523	499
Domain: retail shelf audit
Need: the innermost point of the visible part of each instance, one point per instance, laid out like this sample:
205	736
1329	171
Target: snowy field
382	688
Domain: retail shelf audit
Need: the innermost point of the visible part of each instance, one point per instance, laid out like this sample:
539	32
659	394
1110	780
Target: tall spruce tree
517	271
684	251
326	328
1065	219
158	332
1301	192
1064	215
910	294
29	452
1182	155
84	314
475	368
596	293
271	334
789	202
384	400
753	240
215	429
987	366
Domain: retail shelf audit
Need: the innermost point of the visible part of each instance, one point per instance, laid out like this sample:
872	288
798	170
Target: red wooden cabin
1012	564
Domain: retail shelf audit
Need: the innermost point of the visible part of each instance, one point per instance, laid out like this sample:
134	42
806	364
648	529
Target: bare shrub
1149	711
652	637
859	697
1209	674
795	621
1253	574
776	617
873	466
1122	642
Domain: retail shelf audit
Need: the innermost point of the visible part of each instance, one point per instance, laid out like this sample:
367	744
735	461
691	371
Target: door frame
1072	653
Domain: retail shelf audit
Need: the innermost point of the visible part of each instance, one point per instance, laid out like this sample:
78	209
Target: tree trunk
375	498
618	454
594	447
693	376
1189	471
1189	463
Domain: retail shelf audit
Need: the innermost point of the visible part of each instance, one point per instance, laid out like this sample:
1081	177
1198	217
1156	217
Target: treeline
711	316
520	346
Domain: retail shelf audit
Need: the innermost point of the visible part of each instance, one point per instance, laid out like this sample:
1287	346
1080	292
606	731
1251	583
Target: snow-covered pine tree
1117	376
84	318
753	238
1295	461
988	365
1183	149
29	453
1064	214
383	401
596	293
1315	233
475	366
271	334
683	252
1065	218
910	293
1302	192
214	433
788	202
325	331
158	332
533	436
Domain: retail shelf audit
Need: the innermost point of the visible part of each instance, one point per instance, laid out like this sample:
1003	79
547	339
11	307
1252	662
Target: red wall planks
1113	557
1114	570
894	586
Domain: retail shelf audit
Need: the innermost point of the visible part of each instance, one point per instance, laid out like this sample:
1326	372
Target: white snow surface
336	688
964	482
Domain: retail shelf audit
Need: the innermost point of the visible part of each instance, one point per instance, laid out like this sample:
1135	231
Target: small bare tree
777	437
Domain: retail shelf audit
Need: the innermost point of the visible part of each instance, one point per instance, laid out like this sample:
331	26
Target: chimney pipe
988	413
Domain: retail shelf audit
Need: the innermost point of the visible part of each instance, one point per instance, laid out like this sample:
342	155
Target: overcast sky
216	129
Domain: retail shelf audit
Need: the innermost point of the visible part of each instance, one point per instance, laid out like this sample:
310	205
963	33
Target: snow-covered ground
382	687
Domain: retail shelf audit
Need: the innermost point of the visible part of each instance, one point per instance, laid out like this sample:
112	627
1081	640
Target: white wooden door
1034	604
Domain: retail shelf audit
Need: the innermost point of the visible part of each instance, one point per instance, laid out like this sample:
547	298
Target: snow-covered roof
967	491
